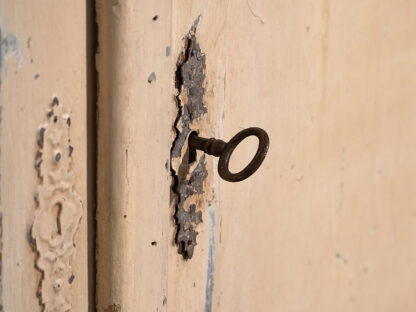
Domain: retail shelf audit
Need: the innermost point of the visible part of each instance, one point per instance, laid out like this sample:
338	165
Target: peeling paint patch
190	82
209	288
9	47
58	212
188	175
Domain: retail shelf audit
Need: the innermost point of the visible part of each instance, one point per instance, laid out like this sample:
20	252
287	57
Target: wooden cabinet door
328	221
98	100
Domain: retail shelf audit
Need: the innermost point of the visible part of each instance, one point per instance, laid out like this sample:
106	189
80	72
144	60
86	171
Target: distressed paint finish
138	262
191	284
43	47
328	222
59	211
188	174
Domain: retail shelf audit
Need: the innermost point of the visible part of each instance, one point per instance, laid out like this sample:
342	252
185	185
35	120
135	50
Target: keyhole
56	211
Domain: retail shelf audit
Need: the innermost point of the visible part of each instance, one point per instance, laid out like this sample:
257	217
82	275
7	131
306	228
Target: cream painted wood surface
328	223
43	54
133	183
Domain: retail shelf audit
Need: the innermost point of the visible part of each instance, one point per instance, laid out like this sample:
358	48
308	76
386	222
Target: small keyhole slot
57	211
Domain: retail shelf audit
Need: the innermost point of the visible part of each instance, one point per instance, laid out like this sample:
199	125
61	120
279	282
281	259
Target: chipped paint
152	77
209	288
58	212
188	175
190	82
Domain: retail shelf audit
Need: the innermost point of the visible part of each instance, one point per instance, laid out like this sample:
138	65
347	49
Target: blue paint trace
209	288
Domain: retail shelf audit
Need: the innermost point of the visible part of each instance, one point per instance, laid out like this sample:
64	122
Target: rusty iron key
223	150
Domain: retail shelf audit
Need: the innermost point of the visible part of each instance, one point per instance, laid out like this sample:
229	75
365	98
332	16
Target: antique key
223	150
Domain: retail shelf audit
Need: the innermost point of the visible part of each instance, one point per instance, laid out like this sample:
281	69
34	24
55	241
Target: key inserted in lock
224	150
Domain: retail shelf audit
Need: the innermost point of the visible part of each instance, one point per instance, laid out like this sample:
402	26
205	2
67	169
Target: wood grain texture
52	47
134	134
328	222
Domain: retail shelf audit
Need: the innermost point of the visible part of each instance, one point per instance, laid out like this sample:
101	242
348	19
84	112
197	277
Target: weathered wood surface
134	118
43	55
328	222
